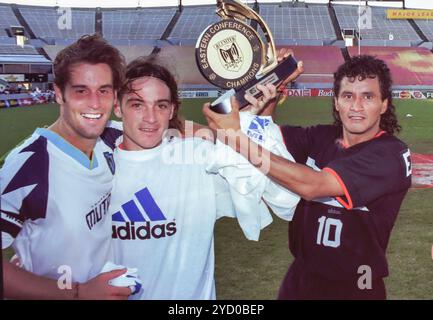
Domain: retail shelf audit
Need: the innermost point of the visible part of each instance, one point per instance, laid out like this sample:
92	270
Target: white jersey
164	207
54	205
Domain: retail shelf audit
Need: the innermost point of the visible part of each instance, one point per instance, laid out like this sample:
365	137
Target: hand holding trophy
232	55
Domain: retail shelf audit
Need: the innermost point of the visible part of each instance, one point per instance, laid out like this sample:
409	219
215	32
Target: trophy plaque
232	55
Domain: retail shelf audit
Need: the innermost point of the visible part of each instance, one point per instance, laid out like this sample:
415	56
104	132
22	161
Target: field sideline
253	270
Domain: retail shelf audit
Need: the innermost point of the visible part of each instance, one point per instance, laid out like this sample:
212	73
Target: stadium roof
422	4
24	59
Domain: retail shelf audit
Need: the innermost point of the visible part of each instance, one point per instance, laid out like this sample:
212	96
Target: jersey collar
140	155
345	146
69	149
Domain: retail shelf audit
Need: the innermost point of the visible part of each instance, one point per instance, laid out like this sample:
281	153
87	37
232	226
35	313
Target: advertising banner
190	94
409	14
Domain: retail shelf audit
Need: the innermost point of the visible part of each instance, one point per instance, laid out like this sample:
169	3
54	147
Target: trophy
234	56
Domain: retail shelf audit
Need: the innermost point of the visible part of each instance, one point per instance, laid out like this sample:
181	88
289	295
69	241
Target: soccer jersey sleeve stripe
347	204
10	227
112	133
26	177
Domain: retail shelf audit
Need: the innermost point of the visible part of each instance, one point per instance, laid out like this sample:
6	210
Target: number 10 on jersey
324	232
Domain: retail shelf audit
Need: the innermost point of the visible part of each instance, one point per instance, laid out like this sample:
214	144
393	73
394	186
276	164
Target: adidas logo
144	232
257	128
132	214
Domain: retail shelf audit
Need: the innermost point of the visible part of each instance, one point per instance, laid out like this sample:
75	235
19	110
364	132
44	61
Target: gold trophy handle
234	9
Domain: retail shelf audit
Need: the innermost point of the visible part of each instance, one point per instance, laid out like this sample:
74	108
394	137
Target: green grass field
254	270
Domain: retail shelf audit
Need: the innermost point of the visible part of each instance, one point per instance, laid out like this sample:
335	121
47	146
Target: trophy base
276	77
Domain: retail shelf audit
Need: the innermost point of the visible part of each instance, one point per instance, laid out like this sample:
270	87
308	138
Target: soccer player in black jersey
352	177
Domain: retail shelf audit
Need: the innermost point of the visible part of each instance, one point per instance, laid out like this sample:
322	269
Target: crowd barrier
25	99
20	99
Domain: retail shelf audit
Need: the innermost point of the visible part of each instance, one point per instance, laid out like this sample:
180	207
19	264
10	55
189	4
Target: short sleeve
24	188
297	141
371	173
112	134
223	198
301	142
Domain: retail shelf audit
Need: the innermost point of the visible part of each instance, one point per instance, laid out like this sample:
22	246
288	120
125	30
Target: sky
424	4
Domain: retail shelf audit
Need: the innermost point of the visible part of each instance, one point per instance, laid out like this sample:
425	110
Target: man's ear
115	96
59	95
172	111
336	103
117	109
384	106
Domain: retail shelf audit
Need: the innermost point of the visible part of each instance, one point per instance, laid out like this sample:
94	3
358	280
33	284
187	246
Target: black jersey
337	237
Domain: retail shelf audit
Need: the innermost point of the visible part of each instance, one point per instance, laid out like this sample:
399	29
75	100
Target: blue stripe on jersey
117	216
149	205
34	171
111	134
133	212
68	148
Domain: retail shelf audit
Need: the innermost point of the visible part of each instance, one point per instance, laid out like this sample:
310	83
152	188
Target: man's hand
269	108
257	105
223	121
231	120
16	261
99	289
262	106
284	53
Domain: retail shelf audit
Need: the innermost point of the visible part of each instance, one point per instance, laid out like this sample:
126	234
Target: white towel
250	189
128	279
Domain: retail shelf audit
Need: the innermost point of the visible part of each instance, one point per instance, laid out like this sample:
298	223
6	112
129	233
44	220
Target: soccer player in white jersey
163	211
56	186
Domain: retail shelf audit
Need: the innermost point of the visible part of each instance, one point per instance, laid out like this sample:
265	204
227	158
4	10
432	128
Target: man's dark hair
362	67
91	49
145	67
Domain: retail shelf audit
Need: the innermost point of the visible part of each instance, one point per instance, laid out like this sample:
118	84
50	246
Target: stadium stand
136	24
402	32
426	27
134	51
191	23
52	50
320	63
180	60
44	23
16	63
7	19
130	52
13	49
312	31
292	25
409	66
